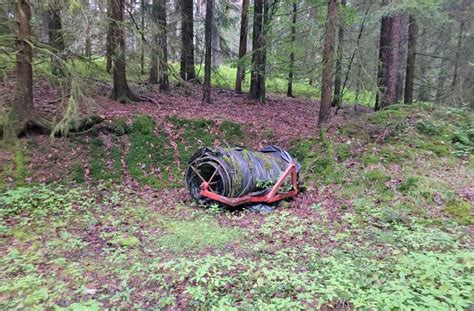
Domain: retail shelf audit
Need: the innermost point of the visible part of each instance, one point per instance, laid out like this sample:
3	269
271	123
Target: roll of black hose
234	172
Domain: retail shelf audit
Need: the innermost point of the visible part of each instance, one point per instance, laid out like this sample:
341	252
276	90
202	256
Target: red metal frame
270	197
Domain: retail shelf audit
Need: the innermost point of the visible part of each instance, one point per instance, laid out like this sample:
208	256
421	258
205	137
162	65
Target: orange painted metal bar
270	197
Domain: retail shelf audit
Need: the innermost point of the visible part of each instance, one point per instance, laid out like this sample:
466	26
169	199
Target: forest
345	126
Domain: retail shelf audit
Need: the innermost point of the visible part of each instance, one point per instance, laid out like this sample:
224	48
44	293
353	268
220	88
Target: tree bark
206	97
153	79
215	42
159	55
257	89
411	55
87	43
163	47
187	71
289	91
142	41
456	60
55	37
88	46
356	48
121	91
336	102
242	46
22	113
387	78
423	89
442	77
328	62
109	46
402	57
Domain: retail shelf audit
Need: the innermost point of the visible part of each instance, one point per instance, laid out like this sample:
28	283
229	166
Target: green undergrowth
150	156
391	233
224	77
181	235
84	234
193	134
278	282
105	248
14	172
147	153
404	160
104	165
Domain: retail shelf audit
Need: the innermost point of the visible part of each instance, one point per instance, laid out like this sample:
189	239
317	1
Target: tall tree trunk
387	78
411	55
215	41
423	89
257	90
187	71
356	48
159	52
456	60
121	92
336	102
153	79
242	46
289	91
268	11
208	47
22	113
311	55
328	62
109	46
142	41
55	37
402	57
442	77
163	47
87	43
88	46
155	9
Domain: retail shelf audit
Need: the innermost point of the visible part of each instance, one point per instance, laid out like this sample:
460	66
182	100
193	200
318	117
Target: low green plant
408	184
20	167
461	211
78	174
197	234
428	128
41	202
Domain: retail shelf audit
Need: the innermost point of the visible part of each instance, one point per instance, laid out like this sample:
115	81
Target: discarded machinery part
234	176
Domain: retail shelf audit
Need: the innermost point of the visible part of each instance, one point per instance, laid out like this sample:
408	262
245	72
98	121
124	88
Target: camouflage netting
234	172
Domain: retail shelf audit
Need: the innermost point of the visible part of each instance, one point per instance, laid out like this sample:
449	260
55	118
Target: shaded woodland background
327	50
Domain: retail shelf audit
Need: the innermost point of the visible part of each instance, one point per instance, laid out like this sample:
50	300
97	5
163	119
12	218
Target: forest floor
102	220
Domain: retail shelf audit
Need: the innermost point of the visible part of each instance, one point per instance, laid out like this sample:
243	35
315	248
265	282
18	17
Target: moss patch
460	211
118	126
150	156
408	184
231	131
197	234
193	134
126	241
77	173
389	115
105	164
